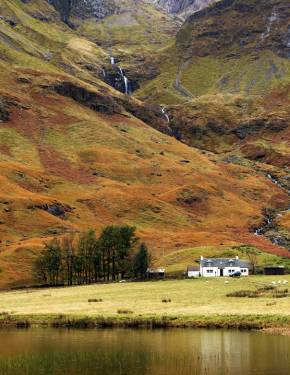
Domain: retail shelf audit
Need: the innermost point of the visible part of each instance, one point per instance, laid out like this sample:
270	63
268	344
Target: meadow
182	302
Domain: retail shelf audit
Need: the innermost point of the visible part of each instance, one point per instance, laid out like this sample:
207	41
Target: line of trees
86	259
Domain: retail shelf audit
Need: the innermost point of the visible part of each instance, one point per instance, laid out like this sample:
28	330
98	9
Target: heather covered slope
227	79
65	168
77	154
226	85
233	55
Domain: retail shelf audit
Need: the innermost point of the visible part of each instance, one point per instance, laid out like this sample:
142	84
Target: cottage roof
224	262
192	268
156	270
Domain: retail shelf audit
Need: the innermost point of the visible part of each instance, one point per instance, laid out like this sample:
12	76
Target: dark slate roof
192	268
224	262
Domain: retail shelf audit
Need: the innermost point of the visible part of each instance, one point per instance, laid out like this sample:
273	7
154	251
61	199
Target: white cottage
214	267
217	267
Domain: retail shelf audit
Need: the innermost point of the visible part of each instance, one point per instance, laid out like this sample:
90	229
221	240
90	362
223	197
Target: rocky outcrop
270	228
4	111
100	9
108	104
151	114
64	7
183	6
116	77
85	8
56	209
92	99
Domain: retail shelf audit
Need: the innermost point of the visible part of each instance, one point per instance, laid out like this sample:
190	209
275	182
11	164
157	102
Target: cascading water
163	110
126	84
116	77
263	228
272	179
269	225
125	80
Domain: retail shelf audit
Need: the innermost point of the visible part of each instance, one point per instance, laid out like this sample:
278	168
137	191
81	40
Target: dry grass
188	298
52	146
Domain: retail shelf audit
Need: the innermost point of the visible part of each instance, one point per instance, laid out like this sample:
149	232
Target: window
243	270
209	271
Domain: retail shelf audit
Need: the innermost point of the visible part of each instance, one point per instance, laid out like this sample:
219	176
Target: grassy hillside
228	69
76	154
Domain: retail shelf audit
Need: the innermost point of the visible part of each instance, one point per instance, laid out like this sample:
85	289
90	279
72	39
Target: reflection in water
142	352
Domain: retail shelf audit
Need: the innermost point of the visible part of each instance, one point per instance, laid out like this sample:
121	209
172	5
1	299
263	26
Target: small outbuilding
193	271
274	270
156	273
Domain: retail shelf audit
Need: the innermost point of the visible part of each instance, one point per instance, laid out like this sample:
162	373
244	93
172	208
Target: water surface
142	352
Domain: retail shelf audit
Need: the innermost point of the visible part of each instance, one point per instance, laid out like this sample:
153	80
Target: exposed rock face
95	8
151	114
85	8
4	112
100	9
93	100
64	7
180	6
55	209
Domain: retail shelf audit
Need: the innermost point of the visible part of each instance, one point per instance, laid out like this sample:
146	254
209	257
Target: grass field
190	299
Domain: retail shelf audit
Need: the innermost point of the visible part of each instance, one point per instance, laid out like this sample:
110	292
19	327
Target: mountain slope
75	153
228	74
183	7
226	83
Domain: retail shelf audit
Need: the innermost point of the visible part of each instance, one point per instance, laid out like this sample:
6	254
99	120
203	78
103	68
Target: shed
193	271
156	273
274	270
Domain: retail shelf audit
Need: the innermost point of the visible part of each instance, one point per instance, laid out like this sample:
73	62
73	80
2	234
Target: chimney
201	257
237	257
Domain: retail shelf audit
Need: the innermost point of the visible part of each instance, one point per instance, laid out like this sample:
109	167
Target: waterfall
112	60
104	73
273	18
125	80
126	84
163	110
272	179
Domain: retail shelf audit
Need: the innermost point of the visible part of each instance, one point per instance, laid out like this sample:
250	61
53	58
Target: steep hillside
226	84
226	80
182	7
75	153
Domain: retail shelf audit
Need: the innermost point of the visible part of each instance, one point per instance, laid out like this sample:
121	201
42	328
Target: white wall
232	269
215	271
246	271
210	271
193	274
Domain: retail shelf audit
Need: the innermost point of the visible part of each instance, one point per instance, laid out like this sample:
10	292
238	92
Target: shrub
124	311
166	300
244	293
95	300
265	288
280	293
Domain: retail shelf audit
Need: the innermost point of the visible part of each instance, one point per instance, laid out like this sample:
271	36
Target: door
221	272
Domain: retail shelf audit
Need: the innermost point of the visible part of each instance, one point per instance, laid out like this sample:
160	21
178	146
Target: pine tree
141	262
